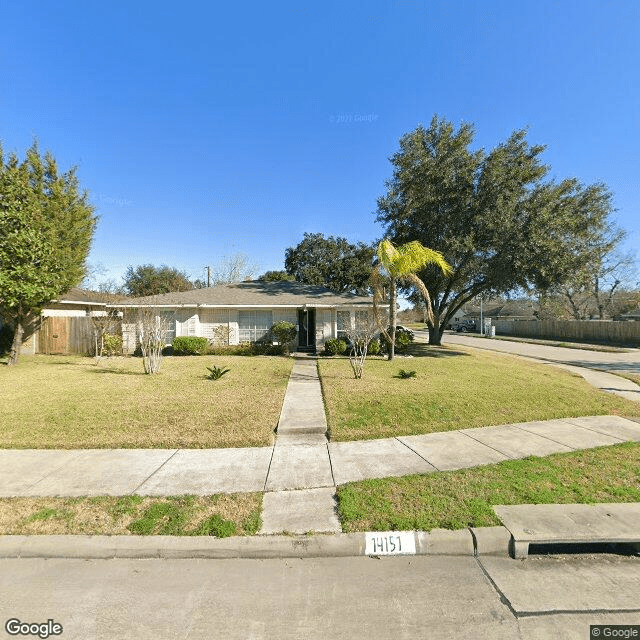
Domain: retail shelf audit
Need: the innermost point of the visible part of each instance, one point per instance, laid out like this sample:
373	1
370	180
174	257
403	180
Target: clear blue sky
206	128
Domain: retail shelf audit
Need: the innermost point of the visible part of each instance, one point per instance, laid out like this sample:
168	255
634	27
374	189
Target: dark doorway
307	329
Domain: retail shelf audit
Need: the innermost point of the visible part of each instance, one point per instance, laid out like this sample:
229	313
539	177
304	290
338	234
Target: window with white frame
344	324
253	325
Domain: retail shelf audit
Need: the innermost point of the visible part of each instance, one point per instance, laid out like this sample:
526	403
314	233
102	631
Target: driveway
624	362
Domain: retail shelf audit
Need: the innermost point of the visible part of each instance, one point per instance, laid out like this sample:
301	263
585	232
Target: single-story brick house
246	311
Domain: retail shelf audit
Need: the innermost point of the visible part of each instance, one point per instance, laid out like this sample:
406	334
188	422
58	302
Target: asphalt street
623	361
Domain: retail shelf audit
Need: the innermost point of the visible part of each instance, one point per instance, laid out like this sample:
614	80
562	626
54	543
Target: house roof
84	296
252	294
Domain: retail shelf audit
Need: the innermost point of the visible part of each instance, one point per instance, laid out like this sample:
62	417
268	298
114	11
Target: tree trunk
393	300
435	333
16	346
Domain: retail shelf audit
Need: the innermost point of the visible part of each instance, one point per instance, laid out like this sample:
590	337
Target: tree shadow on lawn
119	371
424	350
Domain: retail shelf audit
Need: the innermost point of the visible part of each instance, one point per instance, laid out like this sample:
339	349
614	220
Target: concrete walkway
301	461
159	472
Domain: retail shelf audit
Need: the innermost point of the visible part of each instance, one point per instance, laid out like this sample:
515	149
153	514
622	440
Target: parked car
401	329
464	326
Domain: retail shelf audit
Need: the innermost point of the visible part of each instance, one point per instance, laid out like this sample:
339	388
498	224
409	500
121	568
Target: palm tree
400	266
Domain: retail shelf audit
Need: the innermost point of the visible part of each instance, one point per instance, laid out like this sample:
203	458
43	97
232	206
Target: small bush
111	345
247	349
190	346
374	347
284	333
215	373
266	349
407	374
335	347
403	340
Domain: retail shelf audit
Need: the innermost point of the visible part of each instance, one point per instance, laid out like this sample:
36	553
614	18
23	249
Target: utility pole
208	276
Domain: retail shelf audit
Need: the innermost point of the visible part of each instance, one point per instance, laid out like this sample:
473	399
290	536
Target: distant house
510	310
244	312
632	315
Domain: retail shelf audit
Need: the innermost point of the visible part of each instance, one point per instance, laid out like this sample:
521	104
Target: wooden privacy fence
577	330
67	336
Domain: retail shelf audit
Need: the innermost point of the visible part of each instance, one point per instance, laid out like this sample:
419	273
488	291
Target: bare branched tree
362	331
103	325
220	336
152	327
234	268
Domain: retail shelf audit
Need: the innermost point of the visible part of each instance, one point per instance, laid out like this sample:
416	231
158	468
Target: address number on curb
390	543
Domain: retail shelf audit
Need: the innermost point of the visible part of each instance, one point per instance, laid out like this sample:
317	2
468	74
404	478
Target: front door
306	328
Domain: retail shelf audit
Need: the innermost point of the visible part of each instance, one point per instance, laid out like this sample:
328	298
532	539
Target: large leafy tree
495	216
331	262
148	280
46	228
276	276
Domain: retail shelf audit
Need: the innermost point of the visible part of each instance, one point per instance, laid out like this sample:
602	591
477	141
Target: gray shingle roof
85	296
252	293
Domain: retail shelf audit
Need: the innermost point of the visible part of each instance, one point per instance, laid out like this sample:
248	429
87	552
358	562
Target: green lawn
71	402
219	515
459	499
455	388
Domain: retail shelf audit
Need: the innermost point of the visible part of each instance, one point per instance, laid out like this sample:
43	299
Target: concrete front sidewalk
209	471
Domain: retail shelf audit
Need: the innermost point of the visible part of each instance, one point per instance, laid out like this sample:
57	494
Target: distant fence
576	330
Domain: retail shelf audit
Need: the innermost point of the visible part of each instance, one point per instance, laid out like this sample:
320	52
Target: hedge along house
244	312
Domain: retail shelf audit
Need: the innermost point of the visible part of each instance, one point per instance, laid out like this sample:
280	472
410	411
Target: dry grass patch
70	402
454	388
219	515
459	499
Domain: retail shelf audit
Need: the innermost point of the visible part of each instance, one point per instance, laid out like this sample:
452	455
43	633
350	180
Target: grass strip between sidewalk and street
464	498
219	515
454	388
72	402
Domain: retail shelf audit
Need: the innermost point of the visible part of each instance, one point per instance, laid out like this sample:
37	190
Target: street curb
437	542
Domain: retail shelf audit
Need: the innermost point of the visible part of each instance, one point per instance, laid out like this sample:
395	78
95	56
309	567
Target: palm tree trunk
393	300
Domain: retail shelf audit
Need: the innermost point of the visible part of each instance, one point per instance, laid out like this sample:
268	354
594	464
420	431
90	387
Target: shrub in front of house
335	347
190	346
285	333
111	345
247	349
374	347
403	340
